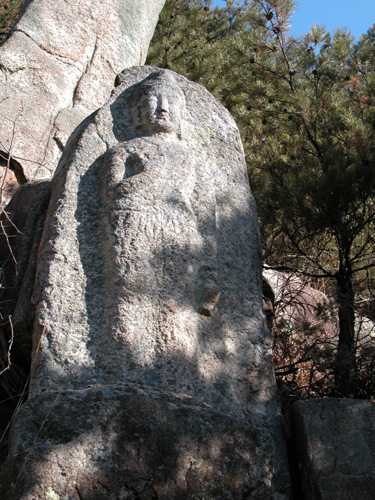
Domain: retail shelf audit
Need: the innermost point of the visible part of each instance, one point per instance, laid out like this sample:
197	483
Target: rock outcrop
297	302
335	444
59	65
152	366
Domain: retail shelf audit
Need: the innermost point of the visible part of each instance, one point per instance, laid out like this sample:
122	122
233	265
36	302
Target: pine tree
317	195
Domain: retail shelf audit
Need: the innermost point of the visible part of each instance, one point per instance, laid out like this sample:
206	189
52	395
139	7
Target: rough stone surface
148	309
136	443
59	65
335	444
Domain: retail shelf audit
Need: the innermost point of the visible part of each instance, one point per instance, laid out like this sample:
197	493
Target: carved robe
157	258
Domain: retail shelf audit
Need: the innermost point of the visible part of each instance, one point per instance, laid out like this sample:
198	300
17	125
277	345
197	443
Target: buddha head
158	105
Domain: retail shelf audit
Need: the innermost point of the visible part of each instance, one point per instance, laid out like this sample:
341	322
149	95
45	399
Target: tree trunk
345	360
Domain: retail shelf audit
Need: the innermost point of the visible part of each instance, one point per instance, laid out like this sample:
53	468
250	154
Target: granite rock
58	65
122	442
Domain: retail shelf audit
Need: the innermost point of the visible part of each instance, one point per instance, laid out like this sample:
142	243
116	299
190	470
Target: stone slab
335	444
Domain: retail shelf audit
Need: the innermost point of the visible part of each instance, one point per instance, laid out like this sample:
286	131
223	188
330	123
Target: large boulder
152	370
296	302
59	65
335	444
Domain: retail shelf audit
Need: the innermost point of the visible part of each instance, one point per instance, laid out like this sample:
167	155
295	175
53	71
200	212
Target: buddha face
158	106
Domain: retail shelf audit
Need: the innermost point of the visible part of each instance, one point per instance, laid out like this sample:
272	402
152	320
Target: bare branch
8	244
10	346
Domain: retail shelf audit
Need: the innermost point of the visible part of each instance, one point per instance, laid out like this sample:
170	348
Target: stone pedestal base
130	443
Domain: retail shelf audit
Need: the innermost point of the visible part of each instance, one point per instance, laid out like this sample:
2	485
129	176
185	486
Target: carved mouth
162	116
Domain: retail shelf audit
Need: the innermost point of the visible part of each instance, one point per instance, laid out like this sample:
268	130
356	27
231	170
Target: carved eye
152	100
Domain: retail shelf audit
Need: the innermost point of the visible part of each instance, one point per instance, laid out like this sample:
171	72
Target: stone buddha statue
162	266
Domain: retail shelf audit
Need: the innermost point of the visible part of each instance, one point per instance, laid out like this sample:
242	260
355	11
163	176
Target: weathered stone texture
59	65
139	444
151	353
335	444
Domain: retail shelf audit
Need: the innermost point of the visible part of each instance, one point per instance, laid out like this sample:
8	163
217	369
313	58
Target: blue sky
357	15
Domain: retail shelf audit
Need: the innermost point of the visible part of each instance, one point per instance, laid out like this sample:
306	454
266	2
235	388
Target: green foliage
316	182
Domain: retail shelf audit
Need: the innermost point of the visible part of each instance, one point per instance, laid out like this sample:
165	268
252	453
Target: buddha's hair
158	79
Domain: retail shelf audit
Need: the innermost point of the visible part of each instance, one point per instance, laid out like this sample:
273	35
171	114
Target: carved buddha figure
163	274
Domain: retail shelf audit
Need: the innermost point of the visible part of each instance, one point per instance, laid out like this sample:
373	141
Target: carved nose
163	106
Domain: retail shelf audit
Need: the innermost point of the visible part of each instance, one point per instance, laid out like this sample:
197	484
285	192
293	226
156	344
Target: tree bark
345	359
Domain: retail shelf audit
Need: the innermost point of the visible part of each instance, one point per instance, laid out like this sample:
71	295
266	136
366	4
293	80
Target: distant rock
297	302
300	309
